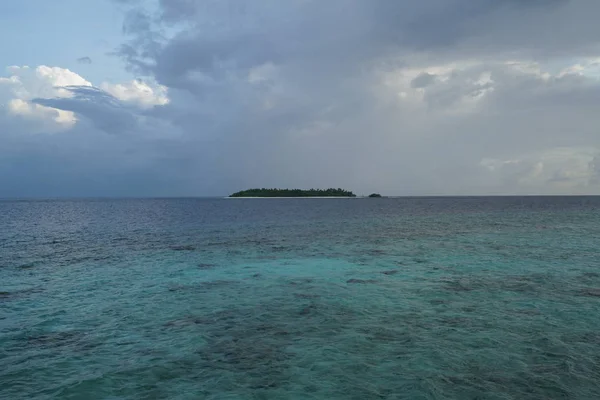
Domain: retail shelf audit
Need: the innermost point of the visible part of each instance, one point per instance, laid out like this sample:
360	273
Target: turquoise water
413	298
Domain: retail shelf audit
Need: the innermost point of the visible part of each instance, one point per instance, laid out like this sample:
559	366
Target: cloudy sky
206	97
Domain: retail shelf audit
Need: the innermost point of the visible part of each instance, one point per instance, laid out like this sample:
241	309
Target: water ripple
406	299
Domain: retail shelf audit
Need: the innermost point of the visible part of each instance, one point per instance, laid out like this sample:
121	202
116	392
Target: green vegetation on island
294	193
374	195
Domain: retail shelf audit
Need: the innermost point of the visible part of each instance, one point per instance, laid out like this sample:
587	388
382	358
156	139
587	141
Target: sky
207	97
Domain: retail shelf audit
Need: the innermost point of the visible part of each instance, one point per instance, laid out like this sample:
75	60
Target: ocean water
408	298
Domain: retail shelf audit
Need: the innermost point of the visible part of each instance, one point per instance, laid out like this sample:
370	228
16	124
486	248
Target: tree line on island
264	192
294	193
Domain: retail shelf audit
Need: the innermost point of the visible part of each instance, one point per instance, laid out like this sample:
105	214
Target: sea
392	298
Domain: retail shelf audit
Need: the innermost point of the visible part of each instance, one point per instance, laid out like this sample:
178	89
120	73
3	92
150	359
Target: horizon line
274	197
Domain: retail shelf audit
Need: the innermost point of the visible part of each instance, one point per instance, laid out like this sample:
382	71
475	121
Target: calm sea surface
410	298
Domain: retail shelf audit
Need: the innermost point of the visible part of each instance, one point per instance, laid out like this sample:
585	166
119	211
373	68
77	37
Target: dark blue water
411	298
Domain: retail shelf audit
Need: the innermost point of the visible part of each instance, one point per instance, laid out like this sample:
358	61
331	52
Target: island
375	195
294	193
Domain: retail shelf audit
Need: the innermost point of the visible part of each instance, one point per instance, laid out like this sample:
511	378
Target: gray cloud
84	60
595	168
423	80
326	57
388	96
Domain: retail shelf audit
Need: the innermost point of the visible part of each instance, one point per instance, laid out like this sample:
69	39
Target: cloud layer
435	97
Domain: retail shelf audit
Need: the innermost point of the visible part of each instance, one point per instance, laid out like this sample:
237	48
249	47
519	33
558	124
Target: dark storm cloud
326	45
428	97
244	33
322	106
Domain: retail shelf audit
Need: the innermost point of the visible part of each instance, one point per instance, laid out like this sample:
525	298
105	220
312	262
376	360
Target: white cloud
21	91
263	73
60	77
18	106
26	84
556	170
588	67
467	87
64	119
529	68
143	94
451	89
43	81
